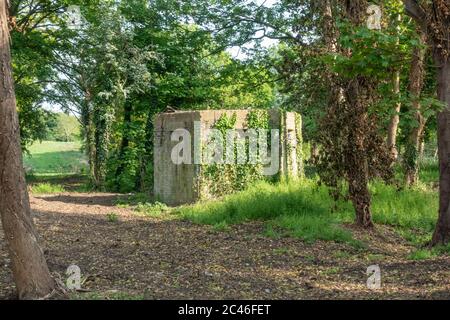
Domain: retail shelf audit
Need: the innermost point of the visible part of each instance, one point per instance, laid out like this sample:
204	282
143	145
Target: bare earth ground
165	258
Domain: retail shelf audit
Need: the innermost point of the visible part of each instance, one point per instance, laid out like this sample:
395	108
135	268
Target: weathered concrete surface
178	184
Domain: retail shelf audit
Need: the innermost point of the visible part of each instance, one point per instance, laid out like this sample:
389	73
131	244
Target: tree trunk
30	271
356	155
90	141
128	110
422	146
357	93
442	233
414	143
395	120
435	22
144	181
89	133
103	116
314	153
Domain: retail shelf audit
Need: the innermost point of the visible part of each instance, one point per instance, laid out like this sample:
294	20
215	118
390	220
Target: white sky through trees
237	52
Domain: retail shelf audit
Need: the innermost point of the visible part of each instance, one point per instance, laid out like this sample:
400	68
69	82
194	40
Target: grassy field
55	158
305	210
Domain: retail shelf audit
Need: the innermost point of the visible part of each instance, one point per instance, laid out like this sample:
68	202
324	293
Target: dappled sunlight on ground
166	258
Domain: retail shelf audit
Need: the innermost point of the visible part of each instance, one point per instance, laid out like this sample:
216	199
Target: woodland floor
140	257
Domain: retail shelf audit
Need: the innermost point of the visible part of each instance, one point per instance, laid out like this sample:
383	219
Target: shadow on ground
166	258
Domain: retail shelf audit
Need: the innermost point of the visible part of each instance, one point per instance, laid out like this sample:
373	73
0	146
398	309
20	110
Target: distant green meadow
55	158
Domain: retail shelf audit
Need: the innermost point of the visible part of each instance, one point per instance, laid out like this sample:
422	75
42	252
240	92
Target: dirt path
165	258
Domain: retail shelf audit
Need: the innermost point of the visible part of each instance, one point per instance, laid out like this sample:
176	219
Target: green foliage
31	60
221	179
429	171
374	53
152	209
47	188
133	200
258	119
112	217
128	74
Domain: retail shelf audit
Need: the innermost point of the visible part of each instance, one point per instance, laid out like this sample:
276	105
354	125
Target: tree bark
89	133
395	119
30	271
357	161
144	181
435	21
314	153
357	93
128	111
442	233
414	143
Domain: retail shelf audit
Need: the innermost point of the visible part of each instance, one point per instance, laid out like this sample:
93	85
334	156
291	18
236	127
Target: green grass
133	200
421	254
55	158
300	210
304	210
429	171
411	208
152	209
427	253
46	188
112	217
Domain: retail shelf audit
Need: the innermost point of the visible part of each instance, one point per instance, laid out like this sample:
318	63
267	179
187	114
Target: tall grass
413	208
429	171
304	210
301	209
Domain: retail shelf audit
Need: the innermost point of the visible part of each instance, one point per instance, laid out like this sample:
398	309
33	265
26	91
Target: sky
237	53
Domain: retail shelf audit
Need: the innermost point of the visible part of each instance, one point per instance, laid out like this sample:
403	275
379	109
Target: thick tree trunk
435	21
442	233
30	271
414	143
356	155
357	93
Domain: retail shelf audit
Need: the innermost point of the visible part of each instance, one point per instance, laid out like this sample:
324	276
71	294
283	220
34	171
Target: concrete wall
178	184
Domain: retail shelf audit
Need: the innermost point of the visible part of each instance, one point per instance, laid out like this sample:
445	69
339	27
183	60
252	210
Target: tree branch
414	10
